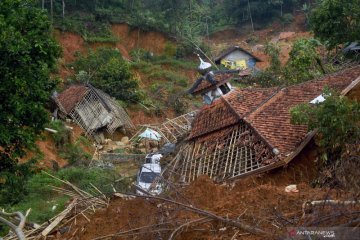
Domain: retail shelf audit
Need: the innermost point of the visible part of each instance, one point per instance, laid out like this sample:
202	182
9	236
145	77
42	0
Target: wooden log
59	218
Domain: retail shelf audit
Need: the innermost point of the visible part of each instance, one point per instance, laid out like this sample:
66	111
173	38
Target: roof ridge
321	78
231	108
281	90
264	102
233	48
255	108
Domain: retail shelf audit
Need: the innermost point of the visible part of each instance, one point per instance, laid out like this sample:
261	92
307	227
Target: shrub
169	49
110	73
62	136
304	62
75	154
337	121
140	54
287	18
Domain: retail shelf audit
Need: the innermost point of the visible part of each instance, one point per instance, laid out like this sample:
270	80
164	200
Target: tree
107	71
336	22
337	121
28	53
304	62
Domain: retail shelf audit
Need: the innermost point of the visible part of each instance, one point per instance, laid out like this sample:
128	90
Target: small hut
92	109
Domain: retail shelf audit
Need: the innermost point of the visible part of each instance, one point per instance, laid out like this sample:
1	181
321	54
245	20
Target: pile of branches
172	214
83	203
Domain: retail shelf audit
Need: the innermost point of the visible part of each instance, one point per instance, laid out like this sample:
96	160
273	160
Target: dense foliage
187	19
28	53
304	62
337	121
107	70
336	22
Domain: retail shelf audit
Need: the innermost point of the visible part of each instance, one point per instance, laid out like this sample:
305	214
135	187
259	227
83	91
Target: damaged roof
71	96
267	111
212	118
272	119
211	80
245	101
232	49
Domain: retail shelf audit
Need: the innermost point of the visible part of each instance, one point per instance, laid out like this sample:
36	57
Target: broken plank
59	218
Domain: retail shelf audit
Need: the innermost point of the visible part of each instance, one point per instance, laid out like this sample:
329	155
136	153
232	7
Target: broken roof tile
246	100
272	119
212	118
71	96
203	84
267	111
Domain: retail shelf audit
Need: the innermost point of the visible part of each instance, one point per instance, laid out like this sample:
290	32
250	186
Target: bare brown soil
256	204
130	38
47	147
70	43
49	151
136	38
257	200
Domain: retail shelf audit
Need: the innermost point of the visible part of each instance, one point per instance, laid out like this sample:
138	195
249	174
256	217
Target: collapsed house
236	57
92	109
248	131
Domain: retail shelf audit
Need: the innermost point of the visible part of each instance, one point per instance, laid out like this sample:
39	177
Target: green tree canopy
336	22
106	70
304	62
28	53
337	121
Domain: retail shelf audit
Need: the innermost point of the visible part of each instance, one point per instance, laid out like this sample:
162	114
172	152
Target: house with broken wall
92	109
248	131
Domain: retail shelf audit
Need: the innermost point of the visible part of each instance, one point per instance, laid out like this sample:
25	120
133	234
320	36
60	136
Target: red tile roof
272	119
246	100
267	110
71	96
206	86
212	118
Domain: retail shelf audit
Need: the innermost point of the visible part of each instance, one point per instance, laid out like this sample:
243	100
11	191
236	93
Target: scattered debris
92	110
204	210
83	203
18	230
291	189
171	130
51	130
248	131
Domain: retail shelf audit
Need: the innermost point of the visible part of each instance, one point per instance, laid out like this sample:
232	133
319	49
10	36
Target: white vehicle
147	179
153	158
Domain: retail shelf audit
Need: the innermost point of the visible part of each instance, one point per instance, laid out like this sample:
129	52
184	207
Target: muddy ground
259	201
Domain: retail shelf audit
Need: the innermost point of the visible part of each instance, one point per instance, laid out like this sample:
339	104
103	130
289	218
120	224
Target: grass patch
41	198
88	27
